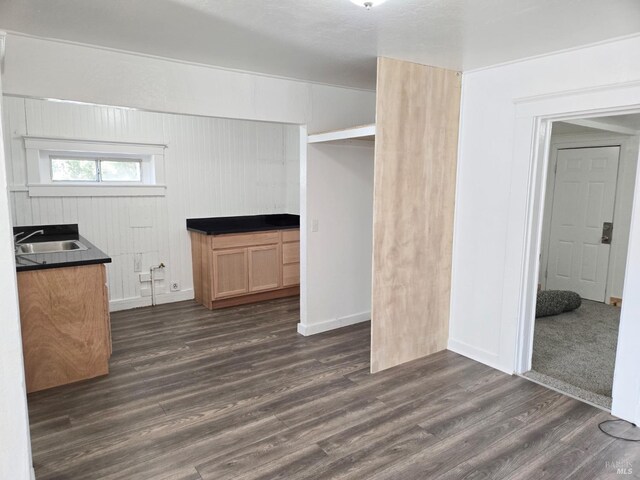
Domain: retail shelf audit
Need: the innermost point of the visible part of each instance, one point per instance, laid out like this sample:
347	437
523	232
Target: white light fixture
368	4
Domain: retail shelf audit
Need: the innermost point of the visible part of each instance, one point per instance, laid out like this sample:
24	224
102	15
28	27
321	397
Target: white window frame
40	150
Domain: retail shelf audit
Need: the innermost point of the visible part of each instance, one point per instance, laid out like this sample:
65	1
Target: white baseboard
478	355
320	327
129	303
137	302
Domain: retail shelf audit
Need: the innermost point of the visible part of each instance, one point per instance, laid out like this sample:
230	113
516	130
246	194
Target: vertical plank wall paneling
417	113
214	167
292	167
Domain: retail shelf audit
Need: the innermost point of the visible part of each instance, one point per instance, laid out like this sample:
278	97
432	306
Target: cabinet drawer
291	275
244	240
291	253
291	235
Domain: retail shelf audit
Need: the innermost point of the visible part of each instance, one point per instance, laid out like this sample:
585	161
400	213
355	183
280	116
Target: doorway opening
586	218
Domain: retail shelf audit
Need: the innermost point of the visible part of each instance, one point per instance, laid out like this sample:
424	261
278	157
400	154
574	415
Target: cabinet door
291	275
229	272
291	253
264	268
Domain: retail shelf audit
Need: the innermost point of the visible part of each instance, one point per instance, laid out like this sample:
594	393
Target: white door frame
572	141
304	230
533	118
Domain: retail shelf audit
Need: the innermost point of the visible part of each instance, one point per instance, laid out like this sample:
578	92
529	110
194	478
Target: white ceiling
629	121
329	41
563	128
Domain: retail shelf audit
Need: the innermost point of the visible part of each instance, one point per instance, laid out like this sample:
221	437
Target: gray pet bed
554	302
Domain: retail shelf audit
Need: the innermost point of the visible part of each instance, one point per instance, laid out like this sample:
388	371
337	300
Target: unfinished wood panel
196	264
206	271
230	272
244	239
105	304
291	253
65	325
202	272
417	110
291	274
290	236
264	268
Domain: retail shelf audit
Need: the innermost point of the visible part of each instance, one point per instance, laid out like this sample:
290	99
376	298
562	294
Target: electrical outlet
174	286
315	225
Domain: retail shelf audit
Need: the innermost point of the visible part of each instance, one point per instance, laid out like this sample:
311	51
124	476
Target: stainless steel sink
49	247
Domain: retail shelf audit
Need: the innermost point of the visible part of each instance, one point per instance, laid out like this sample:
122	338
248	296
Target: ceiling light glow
368	4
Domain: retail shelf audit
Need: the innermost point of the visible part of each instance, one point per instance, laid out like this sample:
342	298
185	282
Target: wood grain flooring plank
533	439
446	454
56	441
376	454
318	426
114	458
298	464
619	460
236	393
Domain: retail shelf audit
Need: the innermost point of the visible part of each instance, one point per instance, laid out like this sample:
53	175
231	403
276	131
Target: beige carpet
575	351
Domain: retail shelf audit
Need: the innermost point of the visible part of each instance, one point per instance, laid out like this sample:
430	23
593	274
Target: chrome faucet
19	241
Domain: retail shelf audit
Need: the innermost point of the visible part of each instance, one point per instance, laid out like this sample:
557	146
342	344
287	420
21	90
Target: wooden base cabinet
234	269
66	331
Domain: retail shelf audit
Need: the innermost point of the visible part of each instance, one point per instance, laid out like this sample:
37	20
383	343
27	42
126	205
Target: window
59	167
120	170
74	169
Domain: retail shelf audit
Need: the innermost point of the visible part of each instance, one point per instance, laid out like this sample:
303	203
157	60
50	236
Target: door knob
607	233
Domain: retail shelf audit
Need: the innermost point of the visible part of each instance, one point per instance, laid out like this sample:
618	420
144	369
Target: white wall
50	69
214	167
292	169
493	175
624	201
340	199
87	74
15	452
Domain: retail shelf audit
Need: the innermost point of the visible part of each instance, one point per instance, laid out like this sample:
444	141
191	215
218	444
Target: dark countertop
247	223
73	258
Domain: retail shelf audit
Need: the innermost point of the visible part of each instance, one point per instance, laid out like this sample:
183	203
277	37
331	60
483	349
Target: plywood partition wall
414	185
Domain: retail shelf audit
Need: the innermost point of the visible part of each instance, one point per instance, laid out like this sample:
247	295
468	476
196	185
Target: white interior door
583	199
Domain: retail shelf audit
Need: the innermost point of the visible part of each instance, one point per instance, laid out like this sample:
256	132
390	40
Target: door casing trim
532	120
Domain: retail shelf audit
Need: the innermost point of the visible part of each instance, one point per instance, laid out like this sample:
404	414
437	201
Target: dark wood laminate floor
199	395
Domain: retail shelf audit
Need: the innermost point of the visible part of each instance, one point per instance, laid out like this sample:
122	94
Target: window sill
53	190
